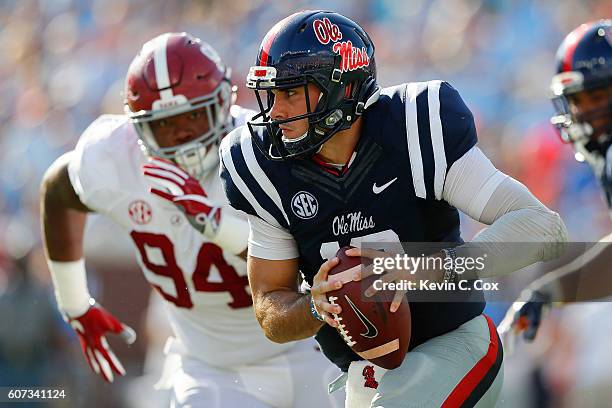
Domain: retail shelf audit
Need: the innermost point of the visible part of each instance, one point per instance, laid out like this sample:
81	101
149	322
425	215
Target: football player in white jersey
154	171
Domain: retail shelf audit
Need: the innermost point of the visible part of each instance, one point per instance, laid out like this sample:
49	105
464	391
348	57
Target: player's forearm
518	239
587	277
63	223
521	229
63	239
285	316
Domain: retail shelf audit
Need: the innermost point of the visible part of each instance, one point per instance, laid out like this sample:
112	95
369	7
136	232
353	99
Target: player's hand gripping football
524	317
185	192
91	327
390	275
320	286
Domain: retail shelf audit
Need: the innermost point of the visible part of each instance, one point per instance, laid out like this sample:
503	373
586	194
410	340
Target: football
366	324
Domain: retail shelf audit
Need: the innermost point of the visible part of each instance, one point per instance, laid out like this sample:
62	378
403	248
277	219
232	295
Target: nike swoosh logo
372	331
378	190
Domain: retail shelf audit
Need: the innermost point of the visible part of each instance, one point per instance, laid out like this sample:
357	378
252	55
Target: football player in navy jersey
582	97
332	159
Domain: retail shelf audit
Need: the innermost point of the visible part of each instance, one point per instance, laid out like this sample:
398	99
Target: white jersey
205	288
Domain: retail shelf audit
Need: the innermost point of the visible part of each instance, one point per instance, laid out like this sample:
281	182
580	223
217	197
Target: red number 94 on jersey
209	255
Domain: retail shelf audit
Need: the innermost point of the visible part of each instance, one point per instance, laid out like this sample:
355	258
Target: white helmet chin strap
295	139
198	160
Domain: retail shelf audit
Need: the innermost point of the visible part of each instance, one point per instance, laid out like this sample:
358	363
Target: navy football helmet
584	64
313	47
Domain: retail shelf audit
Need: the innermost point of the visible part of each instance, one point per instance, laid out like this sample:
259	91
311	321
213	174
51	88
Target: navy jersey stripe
440	129
242	186
248	153
437	137
258	194
412	137
422	105
234	196
235	184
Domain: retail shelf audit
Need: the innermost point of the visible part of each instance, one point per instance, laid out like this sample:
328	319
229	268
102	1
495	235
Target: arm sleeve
477	188
269	242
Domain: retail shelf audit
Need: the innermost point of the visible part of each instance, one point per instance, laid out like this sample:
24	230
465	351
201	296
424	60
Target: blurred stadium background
62	63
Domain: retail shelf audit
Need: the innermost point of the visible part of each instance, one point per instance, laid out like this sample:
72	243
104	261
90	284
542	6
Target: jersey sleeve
249	189
458	127
269	242
440	130
229	177
247	186
92	170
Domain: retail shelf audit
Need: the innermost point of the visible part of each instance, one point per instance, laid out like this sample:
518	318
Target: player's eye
291	92
162	123
195	115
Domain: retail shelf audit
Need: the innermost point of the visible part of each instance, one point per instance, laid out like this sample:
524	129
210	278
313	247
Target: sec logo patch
140	212
304	205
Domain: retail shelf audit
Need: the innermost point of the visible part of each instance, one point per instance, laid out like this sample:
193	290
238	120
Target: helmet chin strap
198	161
295	139
593	158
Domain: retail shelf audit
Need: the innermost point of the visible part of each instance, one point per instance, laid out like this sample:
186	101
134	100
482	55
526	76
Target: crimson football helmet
584	64
312	47
172	74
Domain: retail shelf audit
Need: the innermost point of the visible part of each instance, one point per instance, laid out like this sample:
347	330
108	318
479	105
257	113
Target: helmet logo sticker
169	102
352	58
304	205
326	31
140	212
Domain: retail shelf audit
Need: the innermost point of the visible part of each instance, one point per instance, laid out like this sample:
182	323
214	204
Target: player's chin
289	133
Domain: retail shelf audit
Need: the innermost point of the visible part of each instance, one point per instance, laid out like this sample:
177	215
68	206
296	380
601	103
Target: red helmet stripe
572	41
265	49
266	44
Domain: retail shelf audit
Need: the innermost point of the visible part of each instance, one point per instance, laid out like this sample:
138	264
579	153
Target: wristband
313	311
70	284
449	272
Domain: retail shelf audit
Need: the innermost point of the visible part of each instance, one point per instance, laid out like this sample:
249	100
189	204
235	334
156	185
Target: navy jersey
391	192
606	179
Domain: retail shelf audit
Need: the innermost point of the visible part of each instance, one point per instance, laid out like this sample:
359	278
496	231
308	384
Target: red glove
185	192
91	328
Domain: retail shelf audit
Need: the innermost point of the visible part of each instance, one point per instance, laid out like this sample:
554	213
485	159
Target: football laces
348	339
